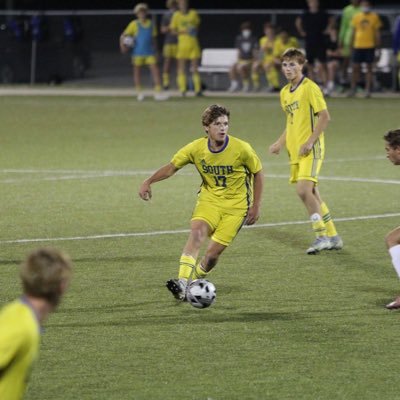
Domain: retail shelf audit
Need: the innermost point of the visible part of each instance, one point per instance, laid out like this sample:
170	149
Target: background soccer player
230	194
45	276
144	50
307	118
392	147
185	23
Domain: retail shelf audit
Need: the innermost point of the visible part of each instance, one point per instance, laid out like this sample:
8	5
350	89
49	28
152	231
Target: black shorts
316	52
363	56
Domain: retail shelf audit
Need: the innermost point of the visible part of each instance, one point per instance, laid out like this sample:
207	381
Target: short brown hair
45	273
293	53
393	138
213	112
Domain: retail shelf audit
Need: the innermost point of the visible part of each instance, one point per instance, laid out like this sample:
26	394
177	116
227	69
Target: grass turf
285	325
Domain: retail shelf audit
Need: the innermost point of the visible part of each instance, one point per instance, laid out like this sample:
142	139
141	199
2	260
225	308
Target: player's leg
393	245
368	80
195	75
136	79
255	74
244	71
355	76
272	75
225	232
181	75
336	242
233	78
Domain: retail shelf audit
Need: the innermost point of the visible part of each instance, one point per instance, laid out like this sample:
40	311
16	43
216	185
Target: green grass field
285	325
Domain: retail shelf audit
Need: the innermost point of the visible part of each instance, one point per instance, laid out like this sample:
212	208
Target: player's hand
305	149
275	148
145	191
252	215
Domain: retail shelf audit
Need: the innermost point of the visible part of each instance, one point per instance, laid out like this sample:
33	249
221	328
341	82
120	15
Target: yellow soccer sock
181	81
326	216
318	225
165	79
255	78
196	82
273	78
187	264
157	88
199	272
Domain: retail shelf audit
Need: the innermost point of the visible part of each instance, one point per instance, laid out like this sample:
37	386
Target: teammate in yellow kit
230	194
307	118
45	276
185	23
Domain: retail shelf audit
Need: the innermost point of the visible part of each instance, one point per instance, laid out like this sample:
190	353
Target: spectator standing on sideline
365	40
45	276
346	34
185	23
313	26
247	48
140	38
334	59
170	42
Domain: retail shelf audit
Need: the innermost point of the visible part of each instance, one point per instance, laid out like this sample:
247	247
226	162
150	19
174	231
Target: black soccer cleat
177	288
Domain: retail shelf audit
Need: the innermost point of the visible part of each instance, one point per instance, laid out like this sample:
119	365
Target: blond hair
293	53
140	7
45	274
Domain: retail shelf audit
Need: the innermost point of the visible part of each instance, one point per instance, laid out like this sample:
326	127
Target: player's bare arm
276	147
162	173
254	211
321	125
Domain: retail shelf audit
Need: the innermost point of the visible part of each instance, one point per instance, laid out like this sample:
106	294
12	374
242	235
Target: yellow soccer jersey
267	46
186	25
227	174
280	47
301	105
19	347
365	26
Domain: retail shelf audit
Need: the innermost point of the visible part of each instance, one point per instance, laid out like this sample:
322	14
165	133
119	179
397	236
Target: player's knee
198	235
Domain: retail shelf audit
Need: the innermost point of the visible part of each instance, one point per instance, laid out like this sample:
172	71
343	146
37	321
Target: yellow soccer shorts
306	169
170	50
188	50
224	224
139	61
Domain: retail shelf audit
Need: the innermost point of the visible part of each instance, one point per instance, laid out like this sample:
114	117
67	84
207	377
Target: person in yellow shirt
185	23
45	275
307	117
366	38
266	61
283	42
229	197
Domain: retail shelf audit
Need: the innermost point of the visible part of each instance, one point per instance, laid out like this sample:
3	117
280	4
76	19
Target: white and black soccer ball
201	293
128	41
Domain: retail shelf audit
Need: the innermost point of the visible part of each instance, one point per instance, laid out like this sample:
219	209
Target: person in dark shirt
247	47
313	26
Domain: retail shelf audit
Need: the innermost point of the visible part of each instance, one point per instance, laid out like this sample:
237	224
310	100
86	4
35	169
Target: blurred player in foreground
392	147
45	276
230	194
307	118
139	37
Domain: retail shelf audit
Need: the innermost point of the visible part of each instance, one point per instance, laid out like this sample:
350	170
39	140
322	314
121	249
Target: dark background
158	4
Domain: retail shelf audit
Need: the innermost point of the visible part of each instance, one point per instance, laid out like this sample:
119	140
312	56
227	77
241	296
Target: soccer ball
201	293
128	41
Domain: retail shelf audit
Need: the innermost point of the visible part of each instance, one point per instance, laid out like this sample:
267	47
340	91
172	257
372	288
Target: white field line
179	231
107	174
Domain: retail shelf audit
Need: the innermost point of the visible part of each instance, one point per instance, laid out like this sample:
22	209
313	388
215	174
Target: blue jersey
143	33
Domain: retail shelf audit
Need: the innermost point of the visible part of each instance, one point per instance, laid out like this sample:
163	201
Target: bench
217	61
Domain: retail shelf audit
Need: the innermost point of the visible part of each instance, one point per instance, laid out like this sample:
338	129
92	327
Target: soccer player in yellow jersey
366	38
230	194
307	118
185	23
45	276
392	147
